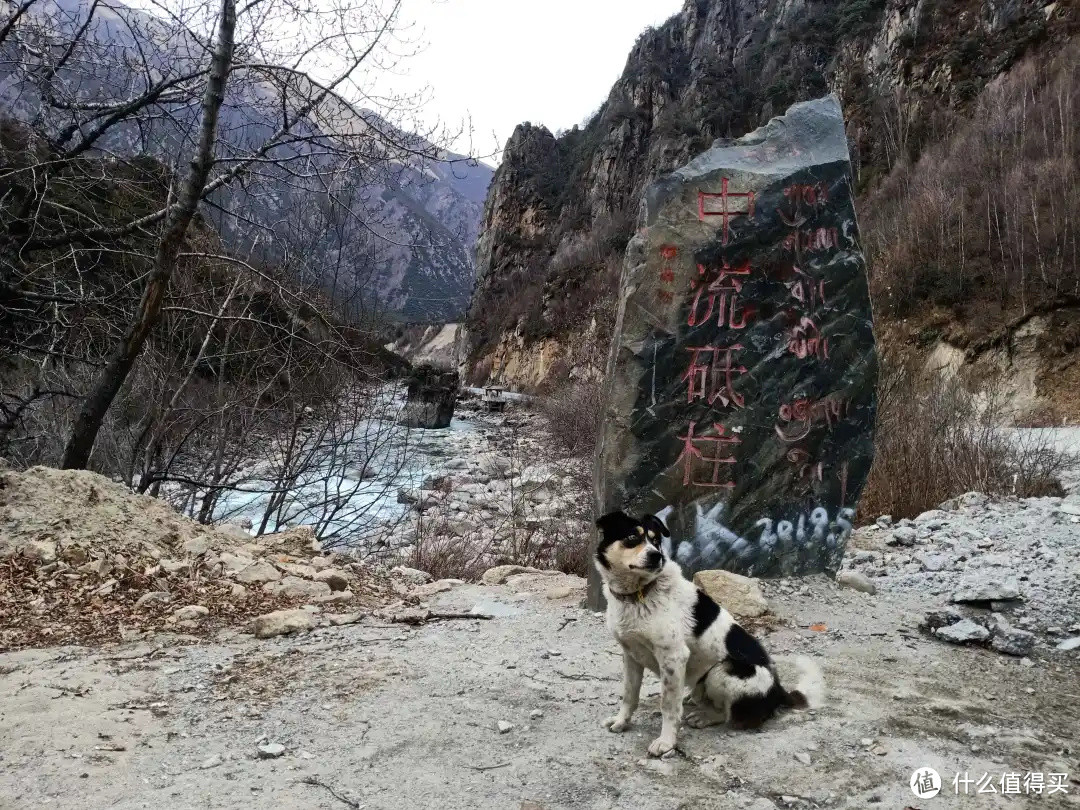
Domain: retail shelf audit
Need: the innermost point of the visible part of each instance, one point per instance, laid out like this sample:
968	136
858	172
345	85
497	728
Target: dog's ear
655	526
616	525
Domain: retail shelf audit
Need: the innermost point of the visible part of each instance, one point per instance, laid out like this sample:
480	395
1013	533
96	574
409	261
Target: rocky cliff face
560	209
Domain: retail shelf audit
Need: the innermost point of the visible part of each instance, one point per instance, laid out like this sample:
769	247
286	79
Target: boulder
743	354
856	581
336	579
174	566
256	572
282	622
191	613
412	576
963	632
933	562
902	536
741	595
941	618
333	598
297	570
296	588
500	573
432	394
40	551
153	597
1011	640
232	563
987	588
432	588
196	546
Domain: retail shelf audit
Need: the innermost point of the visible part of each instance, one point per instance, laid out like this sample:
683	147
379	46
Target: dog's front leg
672	679
631	686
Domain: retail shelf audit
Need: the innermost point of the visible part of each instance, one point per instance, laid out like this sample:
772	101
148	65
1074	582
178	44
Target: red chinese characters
694	457
709	376
706	207
667	275
721	295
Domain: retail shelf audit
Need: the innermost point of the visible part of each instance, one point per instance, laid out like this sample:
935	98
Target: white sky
551	62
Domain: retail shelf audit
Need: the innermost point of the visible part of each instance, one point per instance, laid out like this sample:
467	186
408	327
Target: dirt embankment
82	560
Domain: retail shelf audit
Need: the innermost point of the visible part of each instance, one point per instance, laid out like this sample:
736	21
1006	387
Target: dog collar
633	596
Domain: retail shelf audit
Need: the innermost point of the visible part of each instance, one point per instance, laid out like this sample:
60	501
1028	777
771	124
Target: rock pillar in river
432	395
741	383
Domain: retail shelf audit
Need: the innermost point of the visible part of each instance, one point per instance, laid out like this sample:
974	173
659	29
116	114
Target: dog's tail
809	691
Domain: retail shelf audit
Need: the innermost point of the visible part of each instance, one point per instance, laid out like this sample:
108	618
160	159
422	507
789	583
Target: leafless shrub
447	557
936	440
512	529
987	221
572	415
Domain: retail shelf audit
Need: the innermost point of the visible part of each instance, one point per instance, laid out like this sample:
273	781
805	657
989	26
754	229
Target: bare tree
256	100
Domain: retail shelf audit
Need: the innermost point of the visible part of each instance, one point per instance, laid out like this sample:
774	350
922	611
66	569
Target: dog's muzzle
654	561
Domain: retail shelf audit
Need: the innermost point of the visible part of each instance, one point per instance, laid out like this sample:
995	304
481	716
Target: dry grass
936	440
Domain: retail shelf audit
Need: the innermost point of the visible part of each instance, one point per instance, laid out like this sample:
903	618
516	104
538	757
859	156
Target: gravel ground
375	715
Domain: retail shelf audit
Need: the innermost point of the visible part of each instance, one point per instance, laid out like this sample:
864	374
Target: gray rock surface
856	581
1011	640
962	632
741	595
902	536
256	572
987	589
282	622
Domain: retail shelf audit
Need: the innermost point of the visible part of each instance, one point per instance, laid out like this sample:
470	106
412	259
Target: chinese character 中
690	452
724	211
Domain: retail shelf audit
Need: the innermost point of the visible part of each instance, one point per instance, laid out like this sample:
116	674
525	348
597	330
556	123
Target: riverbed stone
987	588
740	398
282	622
963	632
741	595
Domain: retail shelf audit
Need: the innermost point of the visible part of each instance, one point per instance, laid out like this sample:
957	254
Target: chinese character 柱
691	453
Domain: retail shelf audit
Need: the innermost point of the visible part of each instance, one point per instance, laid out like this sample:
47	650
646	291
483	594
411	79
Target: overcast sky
551	62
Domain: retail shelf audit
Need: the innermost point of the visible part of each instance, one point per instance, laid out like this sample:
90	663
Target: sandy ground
375	715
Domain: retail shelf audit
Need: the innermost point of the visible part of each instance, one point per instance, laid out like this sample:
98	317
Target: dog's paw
703	718
660	746
617	723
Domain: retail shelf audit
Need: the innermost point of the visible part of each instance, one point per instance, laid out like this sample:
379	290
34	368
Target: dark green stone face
740	402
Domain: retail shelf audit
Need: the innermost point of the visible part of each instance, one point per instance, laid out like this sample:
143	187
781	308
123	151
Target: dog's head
630	549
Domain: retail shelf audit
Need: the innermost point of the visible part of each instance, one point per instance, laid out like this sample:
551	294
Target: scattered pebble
271	750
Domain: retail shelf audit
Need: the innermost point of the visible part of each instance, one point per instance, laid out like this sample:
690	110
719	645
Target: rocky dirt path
384	716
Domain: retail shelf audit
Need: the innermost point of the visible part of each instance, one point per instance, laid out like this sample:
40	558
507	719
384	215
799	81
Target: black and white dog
670	626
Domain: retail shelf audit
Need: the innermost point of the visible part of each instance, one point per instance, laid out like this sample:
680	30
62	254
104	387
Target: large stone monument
740	393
